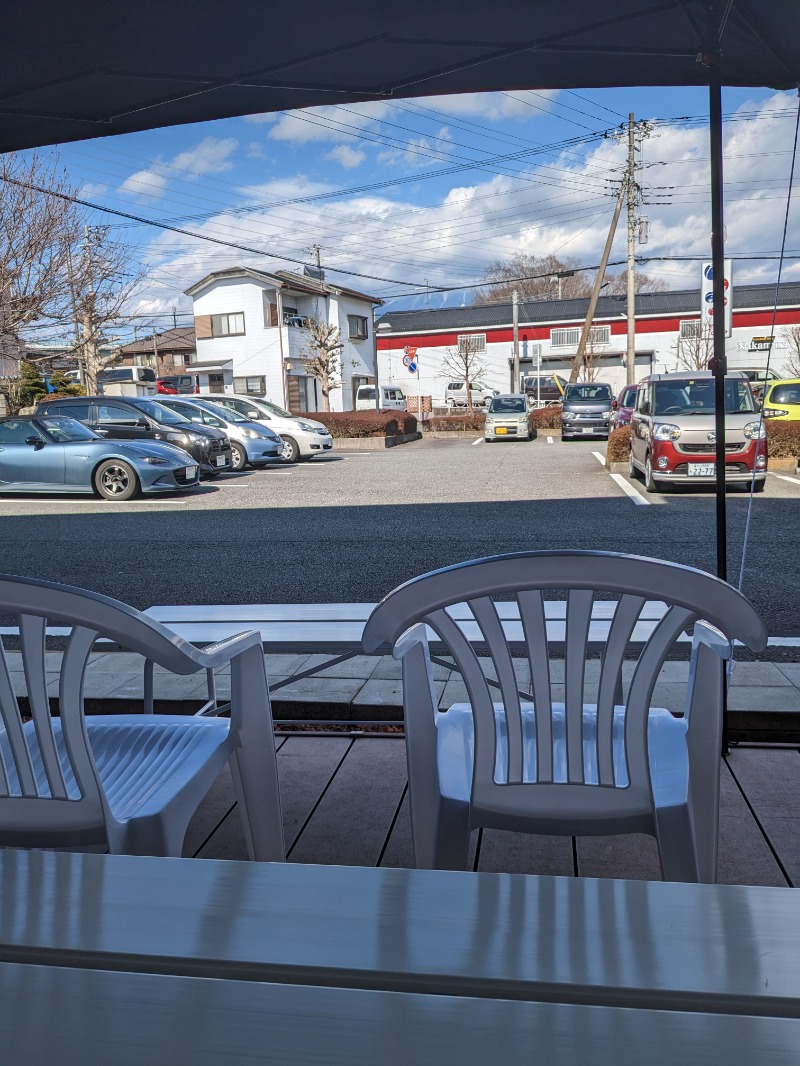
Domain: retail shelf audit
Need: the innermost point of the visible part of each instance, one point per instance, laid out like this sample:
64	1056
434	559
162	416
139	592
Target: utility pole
630	359
174	317
598	284
316	251
515	313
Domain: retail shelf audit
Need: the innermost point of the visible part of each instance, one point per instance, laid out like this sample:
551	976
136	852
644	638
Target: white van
392	398
127	381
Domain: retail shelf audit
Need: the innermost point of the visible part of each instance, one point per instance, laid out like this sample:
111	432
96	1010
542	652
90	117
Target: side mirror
35	442
614	405
142	423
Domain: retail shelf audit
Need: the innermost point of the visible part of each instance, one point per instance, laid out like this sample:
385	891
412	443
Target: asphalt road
352	526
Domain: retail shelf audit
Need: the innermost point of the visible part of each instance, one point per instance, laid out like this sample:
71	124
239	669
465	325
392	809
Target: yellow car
782	400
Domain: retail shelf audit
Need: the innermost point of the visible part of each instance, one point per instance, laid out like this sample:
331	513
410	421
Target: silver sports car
49	454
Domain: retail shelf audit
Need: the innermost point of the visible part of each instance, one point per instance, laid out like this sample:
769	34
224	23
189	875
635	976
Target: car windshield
62	430
508	405
695	396
628	398
275	410
588	392
159	412
785	394
226	413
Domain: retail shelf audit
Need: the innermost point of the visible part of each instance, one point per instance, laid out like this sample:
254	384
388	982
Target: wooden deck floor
345	803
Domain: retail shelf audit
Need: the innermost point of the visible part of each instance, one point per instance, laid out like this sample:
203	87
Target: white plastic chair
131	781
531	762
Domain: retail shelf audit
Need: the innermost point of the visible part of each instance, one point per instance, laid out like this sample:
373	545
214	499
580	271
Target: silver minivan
302	437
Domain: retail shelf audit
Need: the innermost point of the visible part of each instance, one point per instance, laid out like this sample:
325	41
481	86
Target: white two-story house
252	336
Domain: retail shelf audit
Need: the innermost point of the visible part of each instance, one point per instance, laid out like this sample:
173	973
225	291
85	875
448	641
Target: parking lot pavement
353	525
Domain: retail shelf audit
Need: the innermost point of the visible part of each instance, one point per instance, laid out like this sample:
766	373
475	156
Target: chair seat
143	760
666	737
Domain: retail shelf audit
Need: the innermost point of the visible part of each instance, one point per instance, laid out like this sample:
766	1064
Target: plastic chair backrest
689	595
43	783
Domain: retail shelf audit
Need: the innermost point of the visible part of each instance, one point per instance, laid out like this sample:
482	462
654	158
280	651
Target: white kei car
303	438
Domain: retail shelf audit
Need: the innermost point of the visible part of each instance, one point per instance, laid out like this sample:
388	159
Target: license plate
190	471
701	469
501	429
220	460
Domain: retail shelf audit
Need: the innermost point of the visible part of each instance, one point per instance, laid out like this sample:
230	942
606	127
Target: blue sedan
49	454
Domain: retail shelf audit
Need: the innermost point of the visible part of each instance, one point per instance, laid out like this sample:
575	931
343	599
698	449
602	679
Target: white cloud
346	156
210	156
144	185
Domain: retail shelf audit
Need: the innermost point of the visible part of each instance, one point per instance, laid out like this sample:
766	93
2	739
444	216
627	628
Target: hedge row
366	423
540	418
619	445
783	439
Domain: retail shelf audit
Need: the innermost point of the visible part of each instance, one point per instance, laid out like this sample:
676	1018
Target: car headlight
179	438
773	412
568	416
307	427
667	431
156	460
250	433
755	430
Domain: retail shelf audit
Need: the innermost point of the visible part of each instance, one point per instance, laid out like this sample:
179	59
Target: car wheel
290	451
488	440
116	480
650	484
760	485
238	456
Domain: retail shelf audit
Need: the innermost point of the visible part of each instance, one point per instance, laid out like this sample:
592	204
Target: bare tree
693	352
618	283
465	363
791	368
325	345
592	358
36	232
103	279
531	276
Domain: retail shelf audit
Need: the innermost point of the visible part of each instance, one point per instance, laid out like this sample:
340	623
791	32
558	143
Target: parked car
184	383
587	410
252	443
622	407
507	418
759	379
455	394
51	454
782	400
673	431
137	418
544	390
165	387
392	398
302	437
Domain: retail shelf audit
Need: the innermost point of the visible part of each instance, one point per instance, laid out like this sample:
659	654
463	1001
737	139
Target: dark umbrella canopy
75	69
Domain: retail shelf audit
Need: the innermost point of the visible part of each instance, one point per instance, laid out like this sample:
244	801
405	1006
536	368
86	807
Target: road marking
629	490
785	477
624	484
551	440
478	440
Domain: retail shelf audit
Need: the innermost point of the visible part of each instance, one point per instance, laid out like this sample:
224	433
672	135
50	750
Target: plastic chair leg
446	847
255	780
676	845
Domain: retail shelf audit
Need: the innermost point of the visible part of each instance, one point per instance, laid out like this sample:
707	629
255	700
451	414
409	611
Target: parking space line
478	440
551	440
624	484
786	477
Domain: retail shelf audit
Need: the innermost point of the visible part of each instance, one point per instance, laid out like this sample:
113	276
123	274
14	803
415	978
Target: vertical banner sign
707	309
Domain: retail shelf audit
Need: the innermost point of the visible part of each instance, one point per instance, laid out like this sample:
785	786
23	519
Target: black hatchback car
140	418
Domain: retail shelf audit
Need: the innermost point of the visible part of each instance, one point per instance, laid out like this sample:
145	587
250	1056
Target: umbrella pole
718	266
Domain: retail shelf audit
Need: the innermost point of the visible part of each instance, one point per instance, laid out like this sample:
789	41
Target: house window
690	328
255	385
356	327
472	343
571	338
231	325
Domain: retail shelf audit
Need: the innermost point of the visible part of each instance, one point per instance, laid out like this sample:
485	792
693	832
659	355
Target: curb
374	443
787	466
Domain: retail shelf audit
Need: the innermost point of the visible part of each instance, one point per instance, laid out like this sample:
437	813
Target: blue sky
407	197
